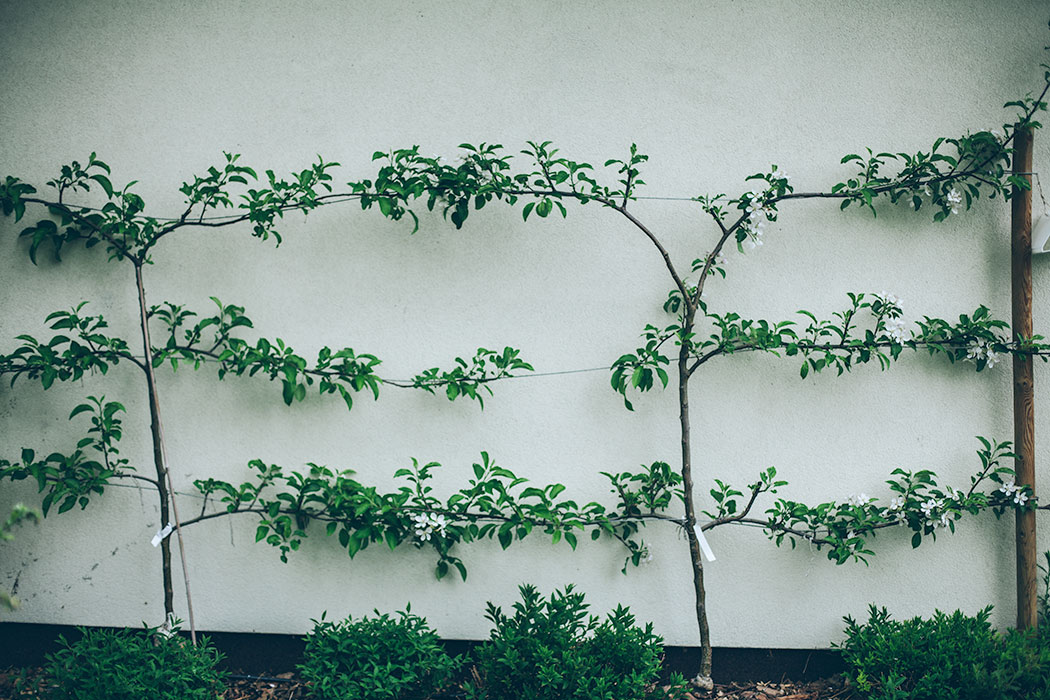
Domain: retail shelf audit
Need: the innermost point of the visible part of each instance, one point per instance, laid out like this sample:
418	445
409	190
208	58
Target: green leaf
505	537
104	181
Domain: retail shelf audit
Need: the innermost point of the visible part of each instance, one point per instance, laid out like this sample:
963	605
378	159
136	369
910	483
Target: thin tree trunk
690	509
165	490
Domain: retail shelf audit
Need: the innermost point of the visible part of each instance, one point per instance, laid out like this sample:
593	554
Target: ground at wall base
261	666
29	684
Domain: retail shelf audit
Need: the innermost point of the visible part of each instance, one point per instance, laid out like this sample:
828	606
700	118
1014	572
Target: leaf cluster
483	173
130	665
945	657
921	504
71	479
469	379
343	371
496	504
128	234
265	205
66	356
377	658
552	649
869	329
639	370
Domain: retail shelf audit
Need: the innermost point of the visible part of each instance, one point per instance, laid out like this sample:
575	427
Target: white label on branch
162	533
704	546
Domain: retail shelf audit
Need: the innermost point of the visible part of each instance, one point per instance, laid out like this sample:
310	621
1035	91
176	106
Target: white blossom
981	349
929	506
943	521
954	200
647	557
439	523
895	330
757	213
756	220
890	299
1009	488
427	524
720	259
860	500
897	507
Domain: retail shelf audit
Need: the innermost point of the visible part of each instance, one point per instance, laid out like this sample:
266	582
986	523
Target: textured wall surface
713	92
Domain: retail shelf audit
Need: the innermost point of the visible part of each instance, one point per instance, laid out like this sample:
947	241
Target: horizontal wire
147	488
554	373
528	375
339	199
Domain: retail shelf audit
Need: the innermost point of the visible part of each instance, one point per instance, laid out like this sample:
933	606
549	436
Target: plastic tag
704	546
161	534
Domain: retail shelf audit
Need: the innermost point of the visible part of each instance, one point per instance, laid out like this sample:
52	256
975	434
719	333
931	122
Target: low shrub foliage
551	649
379	658
946	657
132	665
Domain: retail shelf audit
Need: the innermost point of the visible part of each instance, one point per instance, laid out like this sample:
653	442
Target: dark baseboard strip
24	644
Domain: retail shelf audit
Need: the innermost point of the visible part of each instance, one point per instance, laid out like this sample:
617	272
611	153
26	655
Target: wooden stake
1024	402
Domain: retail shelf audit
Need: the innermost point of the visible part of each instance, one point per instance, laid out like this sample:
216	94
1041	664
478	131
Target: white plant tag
704	546
1041	233
162	533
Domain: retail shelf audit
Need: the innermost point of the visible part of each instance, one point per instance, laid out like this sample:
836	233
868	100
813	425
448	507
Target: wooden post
1024	413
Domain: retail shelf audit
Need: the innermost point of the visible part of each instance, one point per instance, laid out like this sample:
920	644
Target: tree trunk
165	490
159	465
703	678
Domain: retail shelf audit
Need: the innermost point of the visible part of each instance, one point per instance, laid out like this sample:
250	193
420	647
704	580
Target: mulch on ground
30	684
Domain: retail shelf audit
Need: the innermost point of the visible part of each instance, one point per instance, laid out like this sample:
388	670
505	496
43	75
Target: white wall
712	92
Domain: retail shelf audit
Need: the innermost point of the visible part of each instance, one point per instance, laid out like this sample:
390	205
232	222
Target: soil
30	684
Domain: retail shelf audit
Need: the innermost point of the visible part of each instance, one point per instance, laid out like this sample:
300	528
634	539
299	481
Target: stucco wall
712	92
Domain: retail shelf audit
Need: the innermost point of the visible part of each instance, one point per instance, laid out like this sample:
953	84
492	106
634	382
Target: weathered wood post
1024	412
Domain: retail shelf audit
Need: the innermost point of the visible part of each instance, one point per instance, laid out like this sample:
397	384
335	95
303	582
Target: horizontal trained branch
497	504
